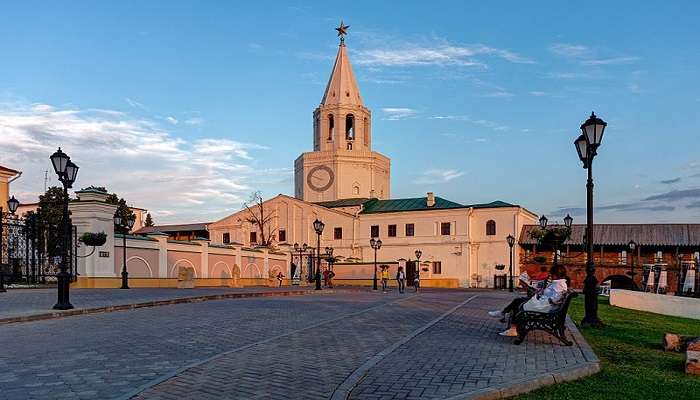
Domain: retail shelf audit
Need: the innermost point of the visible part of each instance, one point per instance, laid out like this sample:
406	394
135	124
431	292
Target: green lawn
633	365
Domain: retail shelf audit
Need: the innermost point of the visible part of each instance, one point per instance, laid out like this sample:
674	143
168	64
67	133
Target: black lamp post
418	254
301	250
12	205
125	223
633	247
318	227
67	171
587	148
376	244
511	242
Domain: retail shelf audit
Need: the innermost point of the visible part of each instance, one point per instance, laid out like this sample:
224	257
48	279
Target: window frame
391	230
338	233
253	237
412	231
490	228
282	235
442	228
436	267
226	238
372	230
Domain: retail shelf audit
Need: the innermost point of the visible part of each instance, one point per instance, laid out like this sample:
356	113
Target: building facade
345	184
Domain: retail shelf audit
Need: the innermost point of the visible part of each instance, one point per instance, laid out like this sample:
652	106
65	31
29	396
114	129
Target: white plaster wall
677	306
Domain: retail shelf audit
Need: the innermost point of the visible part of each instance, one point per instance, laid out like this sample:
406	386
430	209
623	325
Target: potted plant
94	239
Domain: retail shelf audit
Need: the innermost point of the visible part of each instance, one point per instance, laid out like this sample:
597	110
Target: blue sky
186	107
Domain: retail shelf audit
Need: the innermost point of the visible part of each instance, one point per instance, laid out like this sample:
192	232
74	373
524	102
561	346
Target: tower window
490	227
226	238
365	130
350	127
331	127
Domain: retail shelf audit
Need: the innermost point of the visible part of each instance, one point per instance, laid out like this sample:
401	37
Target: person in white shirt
542	301
401	279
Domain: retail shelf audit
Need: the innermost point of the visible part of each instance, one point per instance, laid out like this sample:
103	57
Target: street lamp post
376	244
318	227
126	223
633	247
511	242
418	254
587	148
67	171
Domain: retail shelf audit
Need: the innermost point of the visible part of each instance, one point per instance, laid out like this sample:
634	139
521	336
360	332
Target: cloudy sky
185	108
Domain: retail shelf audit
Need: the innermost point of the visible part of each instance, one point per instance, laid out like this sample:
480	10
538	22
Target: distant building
666	245
178	231
7	175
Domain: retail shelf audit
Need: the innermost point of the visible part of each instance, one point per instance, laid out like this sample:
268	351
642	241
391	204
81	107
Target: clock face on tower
320	178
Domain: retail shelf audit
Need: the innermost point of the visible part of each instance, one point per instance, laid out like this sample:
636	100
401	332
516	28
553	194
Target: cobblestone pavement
455	357
20	302
275	347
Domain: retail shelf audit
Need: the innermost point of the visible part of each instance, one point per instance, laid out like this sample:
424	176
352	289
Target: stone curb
343	391
165	377
525	385
153	303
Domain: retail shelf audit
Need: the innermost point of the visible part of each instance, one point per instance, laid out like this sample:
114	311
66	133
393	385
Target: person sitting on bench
540	302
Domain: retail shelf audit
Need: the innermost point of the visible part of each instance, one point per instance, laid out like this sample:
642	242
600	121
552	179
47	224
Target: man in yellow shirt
385	278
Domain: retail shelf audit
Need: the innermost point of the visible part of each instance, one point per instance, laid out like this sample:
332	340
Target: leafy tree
149	220
122	209
50	216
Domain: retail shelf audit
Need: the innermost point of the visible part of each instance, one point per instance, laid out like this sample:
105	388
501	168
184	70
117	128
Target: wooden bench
552	321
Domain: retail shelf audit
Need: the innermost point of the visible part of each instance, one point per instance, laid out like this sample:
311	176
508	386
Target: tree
50	216
122	209
260	218
149	220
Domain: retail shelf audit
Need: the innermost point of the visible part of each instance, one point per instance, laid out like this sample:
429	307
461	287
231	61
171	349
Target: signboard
104	254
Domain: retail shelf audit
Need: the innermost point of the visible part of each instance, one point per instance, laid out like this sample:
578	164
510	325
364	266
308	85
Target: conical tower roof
342	89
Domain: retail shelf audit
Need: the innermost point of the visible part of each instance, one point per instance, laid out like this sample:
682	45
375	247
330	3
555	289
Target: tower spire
342	88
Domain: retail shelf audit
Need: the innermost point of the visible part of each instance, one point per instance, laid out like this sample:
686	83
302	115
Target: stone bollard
692	357
675	342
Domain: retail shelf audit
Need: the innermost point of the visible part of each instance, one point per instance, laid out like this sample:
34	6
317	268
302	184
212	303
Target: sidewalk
21	305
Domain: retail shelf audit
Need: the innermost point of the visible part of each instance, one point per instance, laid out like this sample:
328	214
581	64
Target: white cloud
438	176
194	121
499	93
135	103
538	93
397	113
134	157
172	120
570	50
611	61
480	122
440	53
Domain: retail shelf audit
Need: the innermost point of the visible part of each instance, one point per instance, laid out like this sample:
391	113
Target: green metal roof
414	204
493	204
343	202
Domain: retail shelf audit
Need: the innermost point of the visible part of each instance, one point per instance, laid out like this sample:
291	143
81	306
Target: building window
437	267
622	257
349	127
337	233
445	228
283	235
490	228
331	126
365	129
226	238
410	230
392	231
374	231
253	237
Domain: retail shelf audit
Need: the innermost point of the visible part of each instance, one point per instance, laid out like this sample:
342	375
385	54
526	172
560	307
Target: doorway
410	272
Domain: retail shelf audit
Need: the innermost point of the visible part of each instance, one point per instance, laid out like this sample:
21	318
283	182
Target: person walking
401	279
416	283
331	274
280	277
325	277
385	278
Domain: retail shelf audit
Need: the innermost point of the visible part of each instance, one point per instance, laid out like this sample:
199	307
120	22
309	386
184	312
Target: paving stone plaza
345	343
